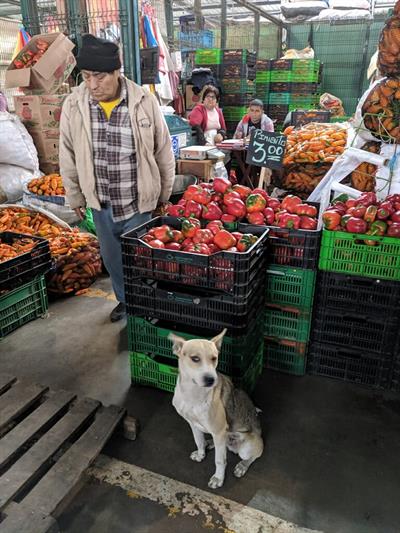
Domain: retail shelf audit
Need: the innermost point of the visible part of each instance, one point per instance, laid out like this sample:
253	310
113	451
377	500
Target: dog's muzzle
208	381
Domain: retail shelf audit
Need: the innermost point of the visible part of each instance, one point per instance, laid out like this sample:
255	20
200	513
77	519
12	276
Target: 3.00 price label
266	149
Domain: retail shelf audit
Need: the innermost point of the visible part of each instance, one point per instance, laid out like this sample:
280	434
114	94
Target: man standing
115	153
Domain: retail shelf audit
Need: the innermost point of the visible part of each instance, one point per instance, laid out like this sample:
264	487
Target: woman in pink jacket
208	119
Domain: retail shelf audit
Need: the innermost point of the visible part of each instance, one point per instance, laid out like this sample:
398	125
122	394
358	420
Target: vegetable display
389	45
22	220
29	58
229	204
364	215
18	247
381	110
314	143
50	185
363	177
304	178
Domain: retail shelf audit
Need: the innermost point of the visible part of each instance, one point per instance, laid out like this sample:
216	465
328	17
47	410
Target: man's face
255	113
102	86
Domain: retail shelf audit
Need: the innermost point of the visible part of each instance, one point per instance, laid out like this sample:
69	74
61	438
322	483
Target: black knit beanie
98	55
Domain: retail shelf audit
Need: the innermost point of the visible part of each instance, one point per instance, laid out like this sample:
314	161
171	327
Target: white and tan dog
208	401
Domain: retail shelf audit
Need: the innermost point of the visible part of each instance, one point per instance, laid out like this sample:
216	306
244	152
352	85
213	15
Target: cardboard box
191	99
202	169
50	71
39	112
47	145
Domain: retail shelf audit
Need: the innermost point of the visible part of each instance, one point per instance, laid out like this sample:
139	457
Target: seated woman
255	119
208	119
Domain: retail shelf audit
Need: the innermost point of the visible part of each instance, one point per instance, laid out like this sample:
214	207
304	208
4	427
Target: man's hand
80	212
218	138
161	209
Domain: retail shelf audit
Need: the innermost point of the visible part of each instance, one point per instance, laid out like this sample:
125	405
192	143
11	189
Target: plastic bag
306	53
21	152
64	212
333	104
12	180
303	9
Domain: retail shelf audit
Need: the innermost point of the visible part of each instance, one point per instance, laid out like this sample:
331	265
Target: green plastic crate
290	287
340	119
236	85
303	106
279	98
236	352
287	323
348	253
287	357
305	65
263	76
208	56
281	75
163	373
22	305
234	112
303	77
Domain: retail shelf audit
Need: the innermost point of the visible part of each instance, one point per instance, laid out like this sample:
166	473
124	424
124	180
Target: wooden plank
41	417
17	399
21	520
5	381
50	491
21	472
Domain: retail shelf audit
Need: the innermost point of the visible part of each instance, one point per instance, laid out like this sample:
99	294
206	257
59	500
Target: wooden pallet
47	441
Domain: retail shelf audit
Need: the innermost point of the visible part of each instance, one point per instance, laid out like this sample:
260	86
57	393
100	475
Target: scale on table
201	152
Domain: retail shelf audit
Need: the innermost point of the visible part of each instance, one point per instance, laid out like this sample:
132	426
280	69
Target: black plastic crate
281	64
215	69
263	64
24	267
313	115
353	294
304	88
345	364
294	248
157	299
278	110
280	87
235	70
237	99
355	330
230	272
395	377
149	58
238	56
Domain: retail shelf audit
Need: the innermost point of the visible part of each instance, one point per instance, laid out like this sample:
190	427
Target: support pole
30	17
256	42
169	17
197	15
223	24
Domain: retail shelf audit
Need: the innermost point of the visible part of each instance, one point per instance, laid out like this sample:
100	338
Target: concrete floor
332	457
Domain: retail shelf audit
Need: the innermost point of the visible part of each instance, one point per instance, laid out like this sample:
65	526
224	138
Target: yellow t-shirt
107	107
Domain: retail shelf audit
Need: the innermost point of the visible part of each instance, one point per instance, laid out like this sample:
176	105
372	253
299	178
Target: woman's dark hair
210	89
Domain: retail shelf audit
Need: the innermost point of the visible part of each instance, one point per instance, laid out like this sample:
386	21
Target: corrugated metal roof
10	9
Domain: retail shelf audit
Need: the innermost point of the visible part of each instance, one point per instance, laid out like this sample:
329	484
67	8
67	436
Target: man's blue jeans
109	234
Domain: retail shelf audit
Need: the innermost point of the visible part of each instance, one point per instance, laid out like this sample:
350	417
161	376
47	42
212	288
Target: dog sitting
209	402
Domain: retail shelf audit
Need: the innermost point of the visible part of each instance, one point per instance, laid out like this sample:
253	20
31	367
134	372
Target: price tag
266	149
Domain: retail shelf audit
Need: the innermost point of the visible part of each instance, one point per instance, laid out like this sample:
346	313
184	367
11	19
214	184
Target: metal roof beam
260	11
205	7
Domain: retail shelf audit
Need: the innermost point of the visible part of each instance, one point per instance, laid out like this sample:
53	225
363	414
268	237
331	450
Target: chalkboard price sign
266	149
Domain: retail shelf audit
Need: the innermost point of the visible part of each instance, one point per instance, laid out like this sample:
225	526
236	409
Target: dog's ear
218	339
178	343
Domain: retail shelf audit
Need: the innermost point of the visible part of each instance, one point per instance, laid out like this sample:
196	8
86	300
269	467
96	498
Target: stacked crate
356	320
238	74
209	58
195	296
263	78
23	295
291	277
294	85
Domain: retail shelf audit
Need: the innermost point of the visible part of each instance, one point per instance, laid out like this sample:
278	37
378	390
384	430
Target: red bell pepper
356	225
358	211
228	219
385	210
217	197
237	208
221	185
189	226
224	240
192	209
351	202
269	215
245	242
274	203
344	220
367	199
378	227
203	235
215	226
290	202
213	248
211	211
198	248
191	191
340	207
263	193
229	197
177	236
175	210
255	203
173	245
308	222
370	214
394	230
163	233
202	196
242	190
331	219
396	216
307	210
156	243
205	185
289	220
256	218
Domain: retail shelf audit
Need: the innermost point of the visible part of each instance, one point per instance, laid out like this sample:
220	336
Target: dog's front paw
197	456
215	482
240	469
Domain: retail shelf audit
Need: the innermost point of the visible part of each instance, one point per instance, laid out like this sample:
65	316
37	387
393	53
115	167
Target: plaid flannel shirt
114	158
